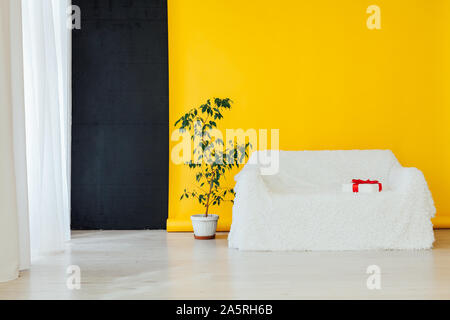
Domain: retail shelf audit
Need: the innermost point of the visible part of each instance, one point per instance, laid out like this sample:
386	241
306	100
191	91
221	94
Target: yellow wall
313	70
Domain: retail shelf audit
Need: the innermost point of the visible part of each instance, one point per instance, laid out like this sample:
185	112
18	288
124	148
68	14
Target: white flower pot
204	227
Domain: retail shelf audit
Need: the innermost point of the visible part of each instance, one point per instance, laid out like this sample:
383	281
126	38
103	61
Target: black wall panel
120	115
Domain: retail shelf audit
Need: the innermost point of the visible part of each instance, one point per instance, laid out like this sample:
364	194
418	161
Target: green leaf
226	103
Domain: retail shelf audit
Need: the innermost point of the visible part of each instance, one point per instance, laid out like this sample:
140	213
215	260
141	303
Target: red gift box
357	182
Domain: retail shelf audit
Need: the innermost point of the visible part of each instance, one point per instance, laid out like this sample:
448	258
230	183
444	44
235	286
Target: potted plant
210	162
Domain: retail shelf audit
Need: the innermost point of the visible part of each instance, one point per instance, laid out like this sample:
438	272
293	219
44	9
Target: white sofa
302	207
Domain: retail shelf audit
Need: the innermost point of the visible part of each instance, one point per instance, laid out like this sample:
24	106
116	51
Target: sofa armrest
411	183
402	179
249	180
399	178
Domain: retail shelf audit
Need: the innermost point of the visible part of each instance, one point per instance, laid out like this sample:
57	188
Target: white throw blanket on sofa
302	207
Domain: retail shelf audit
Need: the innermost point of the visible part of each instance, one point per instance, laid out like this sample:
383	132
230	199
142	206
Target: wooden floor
158	265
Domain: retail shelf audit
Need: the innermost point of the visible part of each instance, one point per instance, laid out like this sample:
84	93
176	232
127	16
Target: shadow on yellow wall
315	71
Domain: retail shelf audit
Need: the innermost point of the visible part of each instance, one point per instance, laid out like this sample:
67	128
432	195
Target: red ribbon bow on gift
357	182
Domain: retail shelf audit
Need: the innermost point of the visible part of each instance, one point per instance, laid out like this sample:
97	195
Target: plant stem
209	194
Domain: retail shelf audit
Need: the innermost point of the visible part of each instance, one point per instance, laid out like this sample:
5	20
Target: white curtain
9	233
47	109
34	131
17	82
